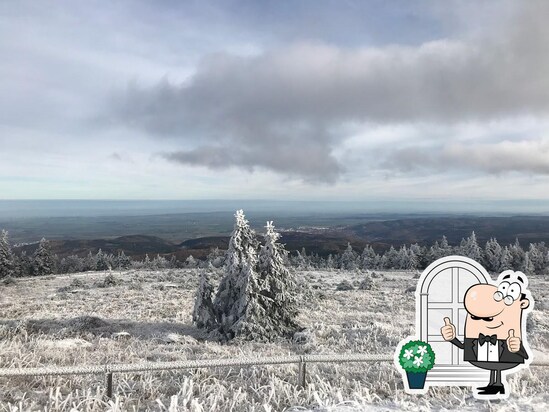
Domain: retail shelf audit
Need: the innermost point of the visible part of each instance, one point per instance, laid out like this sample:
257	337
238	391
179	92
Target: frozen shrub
203	312
376	275
8	280
367	283
344	285
305	336
109	281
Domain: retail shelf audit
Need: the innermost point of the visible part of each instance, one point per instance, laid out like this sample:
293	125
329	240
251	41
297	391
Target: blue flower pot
416	380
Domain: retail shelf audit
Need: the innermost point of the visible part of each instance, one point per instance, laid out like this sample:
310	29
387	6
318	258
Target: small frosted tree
390	258
368	258
505	260
239	268
203	312
469	247
7	261
517	255
278	286
493	252
43	261
102	261
122	261
348	259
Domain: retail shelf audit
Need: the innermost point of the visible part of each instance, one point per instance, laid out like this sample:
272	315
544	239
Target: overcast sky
272	99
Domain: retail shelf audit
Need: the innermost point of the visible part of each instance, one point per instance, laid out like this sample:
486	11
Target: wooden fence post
109	385
301	372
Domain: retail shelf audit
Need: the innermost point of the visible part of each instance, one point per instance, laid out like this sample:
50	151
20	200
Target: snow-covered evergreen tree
403	258
122	261
191	262
390	259
249	319
505	260
203	312
349	259
23	266
517	255
368	258
102	261
469	247
537	257
418	256
239	279
90	262
43	260
527	265
216	257
7	261
330	263
493	252
278	287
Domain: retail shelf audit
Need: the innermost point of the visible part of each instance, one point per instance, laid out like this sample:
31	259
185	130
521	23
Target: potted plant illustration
416	358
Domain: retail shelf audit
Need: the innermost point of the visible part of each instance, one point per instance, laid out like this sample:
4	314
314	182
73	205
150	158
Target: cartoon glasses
508	292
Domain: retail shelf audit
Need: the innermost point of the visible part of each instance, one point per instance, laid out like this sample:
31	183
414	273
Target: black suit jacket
470	348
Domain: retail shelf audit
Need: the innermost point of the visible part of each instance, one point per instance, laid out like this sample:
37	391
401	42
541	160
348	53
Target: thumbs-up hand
448	331
513	342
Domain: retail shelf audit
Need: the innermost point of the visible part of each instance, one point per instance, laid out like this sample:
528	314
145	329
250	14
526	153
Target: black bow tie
482	339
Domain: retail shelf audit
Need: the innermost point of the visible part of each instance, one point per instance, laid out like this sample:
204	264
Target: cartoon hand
448	331
513	342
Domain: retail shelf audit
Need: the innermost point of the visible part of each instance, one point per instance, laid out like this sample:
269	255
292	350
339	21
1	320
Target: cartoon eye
503	286
514	291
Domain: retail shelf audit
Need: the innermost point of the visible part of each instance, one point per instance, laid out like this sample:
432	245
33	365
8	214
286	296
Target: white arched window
440	292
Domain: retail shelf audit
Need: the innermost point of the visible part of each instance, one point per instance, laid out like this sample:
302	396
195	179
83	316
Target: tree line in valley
532	259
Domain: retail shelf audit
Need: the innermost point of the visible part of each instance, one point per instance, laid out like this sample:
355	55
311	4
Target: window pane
440	288
435	318
461	324
465	280
443	352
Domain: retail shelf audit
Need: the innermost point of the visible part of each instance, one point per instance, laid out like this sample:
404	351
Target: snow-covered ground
79	320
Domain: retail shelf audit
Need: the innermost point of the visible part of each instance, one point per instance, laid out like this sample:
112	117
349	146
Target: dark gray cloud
284	110
526	156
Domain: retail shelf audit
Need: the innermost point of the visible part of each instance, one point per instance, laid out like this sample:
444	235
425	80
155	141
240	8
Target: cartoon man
493	328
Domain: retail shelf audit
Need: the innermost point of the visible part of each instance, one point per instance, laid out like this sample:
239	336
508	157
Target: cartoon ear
524	303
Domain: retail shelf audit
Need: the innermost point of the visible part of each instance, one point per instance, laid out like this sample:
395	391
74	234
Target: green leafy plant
416	356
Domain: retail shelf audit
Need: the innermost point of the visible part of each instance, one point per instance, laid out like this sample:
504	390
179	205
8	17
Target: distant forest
532	259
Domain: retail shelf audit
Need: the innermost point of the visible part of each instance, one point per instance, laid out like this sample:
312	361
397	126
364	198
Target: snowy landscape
144	315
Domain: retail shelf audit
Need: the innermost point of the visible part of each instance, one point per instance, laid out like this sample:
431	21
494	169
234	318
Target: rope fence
109	369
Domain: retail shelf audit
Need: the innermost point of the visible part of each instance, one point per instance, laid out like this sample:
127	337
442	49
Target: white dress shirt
488	352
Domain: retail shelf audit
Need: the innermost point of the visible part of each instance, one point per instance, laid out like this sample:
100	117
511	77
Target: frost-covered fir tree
330	264
203	312
537	253
278	287
469	247
403	258
493	252
505	260
349	259
368	258
7	261
122	261
239	277
418	256
517	255
43	261
102	261
250	316
390	259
